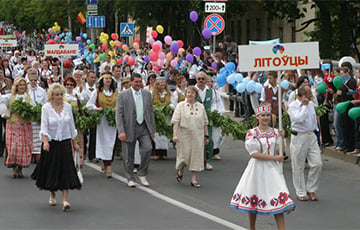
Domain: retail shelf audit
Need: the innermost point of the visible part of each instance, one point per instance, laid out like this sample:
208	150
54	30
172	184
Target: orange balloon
136	45
181	50
169	56
125	48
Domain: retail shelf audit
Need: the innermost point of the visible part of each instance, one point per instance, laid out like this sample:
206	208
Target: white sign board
215	7
284	56
8	43
62	50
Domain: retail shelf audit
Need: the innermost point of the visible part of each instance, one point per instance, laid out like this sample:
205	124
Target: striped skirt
19	143
36	138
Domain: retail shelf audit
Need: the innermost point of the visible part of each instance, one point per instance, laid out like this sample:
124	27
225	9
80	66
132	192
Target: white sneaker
209	166
143	181
135	170
131	183
216	157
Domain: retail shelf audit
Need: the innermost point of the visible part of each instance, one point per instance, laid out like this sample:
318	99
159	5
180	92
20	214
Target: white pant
304	146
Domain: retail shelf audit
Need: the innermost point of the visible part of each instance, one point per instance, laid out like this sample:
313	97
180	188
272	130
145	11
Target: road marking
174	202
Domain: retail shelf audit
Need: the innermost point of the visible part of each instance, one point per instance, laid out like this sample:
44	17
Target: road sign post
95	22
216	24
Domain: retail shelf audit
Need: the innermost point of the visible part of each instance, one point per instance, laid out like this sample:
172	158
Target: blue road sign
126	29
95	21
90	2
215	23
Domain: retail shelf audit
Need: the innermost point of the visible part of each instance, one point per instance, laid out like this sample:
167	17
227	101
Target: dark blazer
126	113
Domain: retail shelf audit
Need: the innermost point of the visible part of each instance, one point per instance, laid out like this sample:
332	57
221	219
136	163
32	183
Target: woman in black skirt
56	169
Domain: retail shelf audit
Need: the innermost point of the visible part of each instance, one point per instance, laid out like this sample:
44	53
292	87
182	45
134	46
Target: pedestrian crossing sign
126	29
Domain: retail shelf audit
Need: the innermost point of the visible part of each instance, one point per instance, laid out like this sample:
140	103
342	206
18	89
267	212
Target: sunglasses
69	84
58	94
201	78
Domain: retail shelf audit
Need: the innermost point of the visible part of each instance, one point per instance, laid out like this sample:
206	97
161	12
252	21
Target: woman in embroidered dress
179	94
150	82
262	188
76	100
8	70
105	96
56	169
18	131
55	77
45	73
189	132
161	95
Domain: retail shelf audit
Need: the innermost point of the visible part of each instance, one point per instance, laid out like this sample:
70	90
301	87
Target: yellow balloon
111	53
103	41
96	60
112	43
160	29
106	36
113	61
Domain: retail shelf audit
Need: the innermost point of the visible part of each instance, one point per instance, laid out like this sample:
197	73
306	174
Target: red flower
283	197
254	201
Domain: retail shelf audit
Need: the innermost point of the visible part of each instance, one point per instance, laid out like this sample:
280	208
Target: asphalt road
109	204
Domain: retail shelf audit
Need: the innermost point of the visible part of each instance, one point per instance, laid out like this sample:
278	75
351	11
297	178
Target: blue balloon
221	79
230	66
231	79
220	84
246	80
222	70
88	42
238	77
84	36
250	86
258	87
240	88
235	84
285	84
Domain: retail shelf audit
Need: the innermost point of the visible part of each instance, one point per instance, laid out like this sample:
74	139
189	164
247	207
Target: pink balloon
159	44
105	46
168	40
137	41
78	38
162	55
155	47
57	38
156	69
180	43
173	63
114	36
151	40
161	62
154	57
154	34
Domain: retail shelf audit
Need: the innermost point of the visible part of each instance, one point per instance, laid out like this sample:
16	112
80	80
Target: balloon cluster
353	112
194	16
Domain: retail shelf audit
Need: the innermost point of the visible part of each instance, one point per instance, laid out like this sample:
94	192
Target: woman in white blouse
56	169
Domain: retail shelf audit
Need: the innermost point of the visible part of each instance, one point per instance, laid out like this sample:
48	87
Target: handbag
77	166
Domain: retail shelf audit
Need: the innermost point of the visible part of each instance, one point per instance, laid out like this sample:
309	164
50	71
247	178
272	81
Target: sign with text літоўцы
284	56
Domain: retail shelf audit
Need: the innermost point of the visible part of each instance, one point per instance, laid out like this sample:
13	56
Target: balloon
193	16
125	48
169	56
230	66
85	36
222	70
238	77
250	86
160	62
160	29
57	38
258	87
154	57
51	42
78	38
105	46
136	45
131	61
245	80
180	43
159	43
221	84
117	43
180	51
338	82
146	59
321	88
240	88
155	47
221	79
206	34
214	65
354	112
88	41
342	106
151	40
231	79
173	63
174	48
67	64
156	69
285	84
168	40
197	51
92	46
162	55
112	43
189	58
137	41
114	36
120	61
102	56
154	34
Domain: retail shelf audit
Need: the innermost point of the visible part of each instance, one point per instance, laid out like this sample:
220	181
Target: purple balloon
214	65
197	51
206	34
174	48
194	16
146	59
189	58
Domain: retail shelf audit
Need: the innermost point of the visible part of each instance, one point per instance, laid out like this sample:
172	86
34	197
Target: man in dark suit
135	122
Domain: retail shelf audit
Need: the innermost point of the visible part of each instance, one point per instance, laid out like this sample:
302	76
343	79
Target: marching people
304	145
37	95
56	169
104	97
179	94
91	86
19	138
190	133
135	121
262	188
5	88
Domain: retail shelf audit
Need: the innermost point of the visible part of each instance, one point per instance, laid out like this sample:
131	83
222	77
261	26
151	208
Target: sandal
312	196
178	177
302	198
195	184
66	205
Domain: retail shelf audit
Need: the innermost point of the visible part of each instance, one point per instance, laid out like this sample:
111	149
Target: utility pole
69	18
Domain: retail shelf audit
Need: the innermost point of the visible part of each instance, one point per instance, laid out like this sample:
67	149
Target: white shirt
274	89
37	94
5	99
175	97
57	126
91	104
202	94
134	93
303	117
84	95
